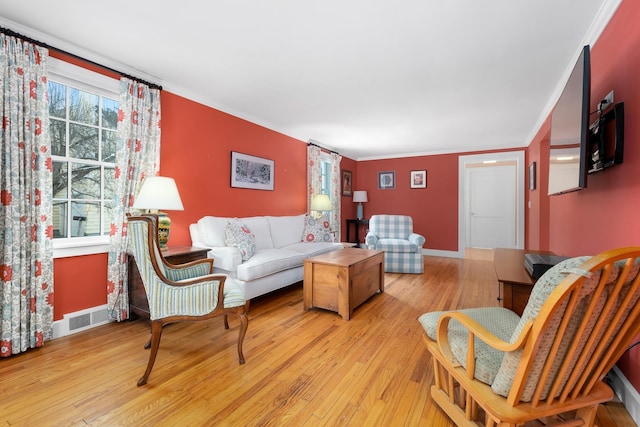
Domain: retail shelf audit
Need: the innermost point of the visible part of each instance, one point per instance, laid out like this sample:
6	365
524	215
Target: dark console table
138	303
514	281
357	223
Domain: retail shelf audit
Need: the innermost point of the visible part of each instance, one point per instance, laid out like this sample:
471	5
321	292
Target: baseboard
446	254
626	392
81	321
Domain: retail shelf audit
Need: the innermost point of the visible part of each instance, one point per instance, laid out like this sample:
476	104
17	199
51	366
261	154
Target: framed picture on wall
347	188
418	179
386	180
251	172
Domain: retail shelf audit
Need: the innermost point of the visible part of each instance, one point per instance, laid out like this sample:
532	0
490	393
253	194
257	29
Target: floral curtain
314	183
26	229
314	173
335	193
136	158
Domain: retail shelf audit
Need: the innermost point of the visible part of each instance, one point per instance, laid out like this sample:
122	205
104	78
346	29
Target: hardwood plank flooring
302	368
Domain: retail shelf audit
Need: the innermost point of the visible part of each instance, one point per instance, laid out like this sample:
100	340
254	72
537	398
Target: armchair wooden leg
244	324
156	333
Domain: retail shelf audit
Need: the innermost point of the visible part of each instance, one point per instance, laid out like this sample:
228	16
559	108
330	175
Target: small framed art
251	172
386	180
418	179
347	189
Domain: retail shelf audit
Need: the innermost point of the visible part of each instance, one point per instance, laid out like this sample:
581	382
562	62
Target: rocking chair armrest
188	270
475	330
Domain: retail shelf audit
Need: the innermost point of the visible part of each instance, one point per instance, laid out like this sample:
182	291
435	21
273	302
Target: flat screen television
568	147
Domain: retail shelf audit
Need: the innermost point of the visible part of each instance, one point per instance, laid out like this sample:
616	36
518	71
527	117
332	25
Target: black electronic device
538	264
607	139
568	145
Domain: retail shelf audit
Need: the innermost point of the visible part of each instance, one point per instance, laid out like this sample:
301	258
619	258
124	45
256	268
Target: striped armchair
402	248
180	292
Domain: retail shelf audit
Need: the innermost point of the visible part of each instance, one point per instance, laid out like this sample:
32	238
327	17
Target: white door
495	196
491	206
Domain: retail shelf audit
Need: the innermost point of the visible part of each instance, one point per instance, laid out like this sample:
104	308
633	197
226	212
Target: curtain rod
73	55
326	149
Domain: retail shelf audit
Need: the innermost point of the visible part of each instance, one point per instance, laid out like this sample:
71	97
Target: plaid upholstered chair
178	293
402	248
492	367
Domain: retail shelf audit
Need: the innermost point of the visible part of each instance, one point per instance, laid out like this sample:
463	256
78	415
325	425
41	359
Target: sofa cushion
286	230
268	261
316	230
211	230
259	226
238	235
317	248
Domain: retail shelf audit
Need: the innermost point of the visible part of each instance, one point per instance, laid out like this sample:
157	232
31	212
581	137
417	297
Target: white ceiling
367	78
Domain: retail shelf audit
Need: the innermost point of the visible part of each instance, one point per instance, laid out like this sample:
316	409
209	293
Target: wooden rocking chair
493	368
178	293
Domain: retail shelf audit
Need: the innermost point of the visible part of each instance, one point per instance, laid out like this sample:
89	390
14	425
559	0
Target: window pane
85	181
108	215
83	107
83	142
59	219
109	113
109	184
60	183
58	130
57	100
85	219
109	146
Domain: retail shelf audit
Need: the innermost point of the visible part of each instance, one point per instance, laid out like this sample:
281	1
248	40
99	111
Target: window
83	115
325	173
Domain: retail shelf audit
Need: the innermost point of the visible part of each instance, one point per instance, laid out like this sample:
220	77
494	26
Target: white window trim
81	78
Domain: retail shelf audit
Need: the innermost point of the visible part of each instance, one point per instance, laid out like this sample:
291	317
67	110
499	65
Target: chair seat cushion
233	296
396	245
498	320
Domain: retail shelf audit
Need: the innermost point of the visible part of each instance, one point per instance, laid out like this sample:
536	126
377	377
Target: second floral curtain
136	158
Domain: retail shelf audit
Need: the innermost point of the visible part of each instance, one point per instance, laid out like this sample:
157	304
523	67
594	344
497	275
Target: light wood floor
302	368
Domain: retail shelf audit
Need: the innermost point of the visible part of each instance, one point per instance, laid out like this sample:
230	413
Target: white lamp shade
159	192
360	196
321	202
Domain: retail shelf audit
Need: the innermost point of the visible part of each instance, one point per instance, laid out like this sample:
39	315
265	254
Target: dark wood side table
514	281
357	223
138	303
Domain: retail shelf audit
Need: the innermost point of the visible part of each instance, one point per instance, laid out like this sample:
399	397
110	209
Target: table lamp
159	192
319	204
360	197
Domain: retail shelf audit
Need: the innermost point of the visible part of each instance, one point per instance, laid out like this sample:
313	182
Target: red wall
196	150
434	209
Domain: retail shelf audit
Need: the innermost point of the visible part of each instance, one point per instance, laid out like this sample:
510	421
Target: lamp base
164	227
360	211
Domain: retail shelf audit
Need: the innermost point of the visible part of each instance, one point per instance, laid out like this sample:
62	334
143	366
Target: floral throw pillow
316	229
239	236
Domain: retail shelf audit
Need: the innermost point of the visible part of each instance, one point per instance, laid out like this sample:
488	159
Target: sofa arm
370	240
417	239
226	258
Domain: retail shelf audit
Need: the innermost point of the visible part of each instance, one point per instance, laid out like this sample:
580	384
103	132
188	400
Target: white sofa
279	256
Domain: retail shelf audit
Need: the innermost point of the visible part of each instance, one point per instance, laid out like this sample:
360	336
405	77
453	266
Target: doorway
491	201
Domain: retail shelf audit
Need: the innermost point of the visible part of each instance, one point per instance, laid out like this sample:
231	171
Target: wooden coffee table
342	280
